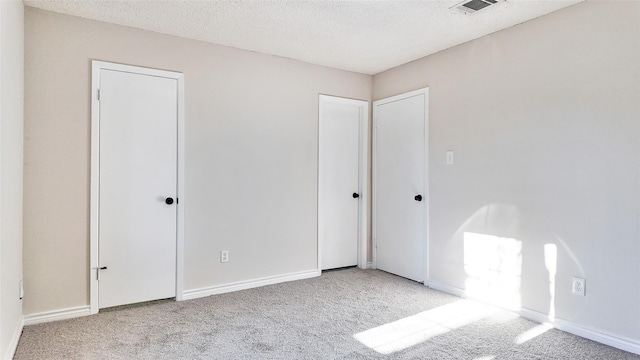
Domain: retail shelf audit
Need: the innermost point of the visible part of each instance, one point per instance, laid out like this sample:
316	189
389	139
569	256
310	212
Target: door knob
418	198
355	195
168	201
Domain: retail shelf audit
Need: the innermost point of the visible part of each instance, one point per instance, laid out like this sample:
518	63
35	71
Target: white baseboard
249	284
13	345
56	315
445	288
534	316
75	312
616	341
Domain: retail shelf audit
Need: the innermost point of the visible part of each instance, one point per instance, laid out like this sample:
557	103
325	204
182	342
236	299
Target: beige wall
544	120
11	140
251	154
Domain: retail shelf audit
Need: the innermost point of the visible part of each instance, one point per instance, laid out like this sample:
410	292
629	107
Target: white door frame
425	92
363	175
97	66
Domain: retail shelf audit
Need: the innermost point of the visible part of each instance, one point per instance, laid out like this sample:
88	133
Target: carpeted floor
345	314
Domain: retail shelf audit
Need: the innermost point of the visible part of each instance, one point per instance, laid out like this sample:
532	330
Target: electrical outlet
578	286
450	157
224	256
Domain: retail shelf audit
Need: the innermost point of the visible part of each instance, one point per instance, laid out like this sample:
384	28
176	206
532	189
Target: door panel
138	170
337	182
399	178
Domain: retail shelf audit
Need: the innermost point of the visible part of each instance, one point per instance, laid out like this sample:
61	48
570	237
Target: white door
399	184
338	181
137	188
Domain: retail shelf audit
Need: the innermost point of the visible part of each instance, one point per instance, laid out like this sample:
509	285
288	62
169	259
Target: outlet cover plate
450	157
578	286
224	256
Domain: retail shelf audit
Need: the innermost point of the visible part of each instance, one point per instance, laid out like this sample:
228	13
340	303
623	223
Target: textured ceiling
362	36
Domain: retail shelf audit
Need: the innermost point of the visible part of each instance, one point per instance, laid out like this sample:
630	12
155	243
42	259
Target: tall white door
137	188
338	181
399	184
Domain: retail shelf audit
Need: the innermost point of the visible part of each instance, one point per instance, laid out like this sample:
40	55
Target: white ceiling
362	36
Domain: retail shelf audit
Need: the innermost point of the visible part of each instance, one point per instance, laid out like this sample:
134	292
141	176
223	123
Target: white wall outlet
224	256
578	286
450	157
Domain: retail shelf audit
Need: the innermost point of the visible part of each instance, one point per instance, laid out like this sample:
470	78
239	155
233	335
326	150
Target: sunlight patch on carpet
532	333
404	333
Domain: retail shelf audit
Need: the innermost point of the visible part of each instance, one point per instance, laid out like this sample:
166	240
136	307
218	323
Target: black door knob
355	195
168	201
418	198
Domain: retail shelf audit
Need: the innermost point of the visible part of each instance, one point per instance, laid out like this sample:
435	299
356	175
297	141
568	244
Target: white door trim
363	175
425	92
96	67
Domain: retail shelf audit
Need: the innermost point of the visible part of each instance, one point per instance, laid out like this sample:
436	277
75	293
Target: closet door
339	180
137	188
399	175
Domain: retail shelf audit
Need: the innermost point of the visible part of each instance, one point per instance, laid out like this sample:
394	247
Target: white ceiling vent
471	6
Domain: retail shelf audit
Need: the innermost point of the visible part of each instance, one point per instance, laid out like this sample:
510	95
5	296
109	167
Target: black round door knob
418	198
355	195
168	201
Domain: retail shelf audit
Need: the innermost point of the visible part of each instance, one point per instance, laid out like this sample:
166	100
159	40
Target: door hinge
98	94
98	271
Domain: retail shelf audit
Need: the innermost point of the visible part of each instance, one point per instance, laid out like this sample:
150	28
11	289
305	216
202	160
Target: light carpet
345	314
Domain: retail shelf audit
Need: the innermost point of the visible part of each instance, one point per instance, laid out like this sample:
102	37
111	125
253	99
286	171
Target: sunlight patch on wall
493	266
551	263
404	333
567	250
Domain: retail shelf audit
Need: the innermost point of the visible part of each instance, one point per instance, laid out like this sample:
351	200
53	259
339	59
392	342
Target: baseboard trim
616	341
56	315
445	288
13	345
535	316
249	284
622	343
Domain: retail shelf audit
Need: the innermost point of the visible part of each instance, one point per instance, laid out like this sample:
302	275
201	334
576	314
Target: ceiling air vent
471	6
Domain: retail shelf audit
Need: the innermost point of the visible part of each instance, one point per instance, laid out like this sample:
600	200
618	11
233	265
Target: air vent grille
471	6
